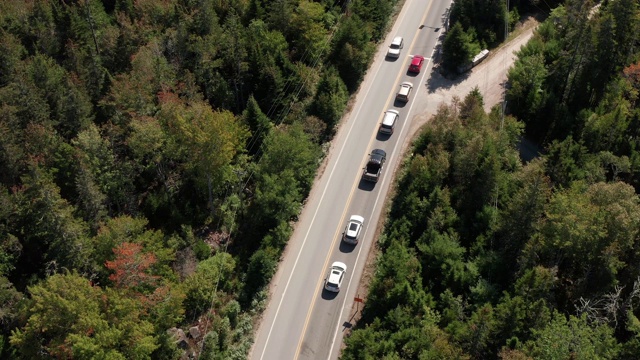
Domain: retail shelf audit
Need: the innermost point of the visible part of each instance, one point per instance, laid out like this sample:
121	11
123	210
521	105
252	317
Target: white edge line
316	212
335	334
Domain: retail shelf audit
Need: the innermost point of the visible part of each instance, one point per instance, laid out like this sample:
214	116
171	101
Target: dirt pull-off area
490	77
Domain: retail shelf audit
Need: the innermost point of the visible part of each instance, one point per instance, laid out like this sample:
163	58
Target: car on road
374	166
389	120
335	277
352	231
396	45
416	64
404	92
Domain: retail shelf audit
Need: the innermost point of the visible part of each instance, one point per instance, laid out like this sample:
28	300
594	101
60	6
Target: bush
262	266
331	98
212	275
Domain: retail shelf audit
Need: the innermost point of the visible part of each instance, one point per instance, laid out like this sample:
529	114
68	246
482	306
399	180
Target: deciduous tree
572	337
70	318
131	267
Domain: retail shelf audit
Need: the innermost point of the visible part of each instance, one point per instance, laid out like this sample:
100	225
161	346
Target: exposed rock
179	337
194	332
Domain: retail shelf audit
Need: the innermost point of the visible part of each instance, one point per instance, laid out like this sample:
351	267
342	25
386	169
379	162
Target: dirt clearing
490	77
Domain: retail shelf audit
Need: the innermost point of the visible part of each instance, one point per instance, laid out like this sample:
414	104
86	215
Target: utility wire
316	61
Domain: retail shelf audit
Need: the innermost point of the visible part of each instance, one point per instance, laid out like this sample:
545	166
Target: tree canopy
143	186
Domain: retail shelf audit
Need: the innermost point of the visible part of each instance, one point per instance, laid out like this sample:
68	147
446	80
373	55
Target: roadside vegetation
484	256
153	155
476	25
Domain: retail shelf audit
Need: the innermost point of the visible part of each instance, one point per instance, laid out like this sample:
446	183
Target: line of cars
338	269
377	158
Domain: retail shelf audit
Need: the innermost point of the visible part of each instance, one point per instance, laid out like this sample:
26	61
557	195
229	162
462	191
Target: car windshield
353	227
395	46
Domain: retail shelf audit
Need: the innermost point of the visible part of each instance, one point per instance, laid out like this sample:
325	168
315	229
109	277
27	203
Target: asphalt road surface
303	321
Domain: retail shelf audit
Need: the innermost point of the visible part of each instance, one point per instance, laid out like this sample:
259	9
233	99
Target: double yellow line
348	203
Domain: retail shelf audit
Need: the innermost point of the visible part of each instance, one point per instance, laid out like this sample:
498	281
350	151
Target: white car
396	45
336	275
389	121
404	92
352	231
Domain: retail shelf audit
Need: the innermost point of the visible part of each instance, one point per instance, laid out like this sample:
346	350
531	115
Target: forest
155	154
153	158
487	256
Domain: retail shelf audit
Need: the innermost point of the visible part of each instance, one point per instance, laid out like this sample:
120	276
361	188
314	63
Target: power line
251	173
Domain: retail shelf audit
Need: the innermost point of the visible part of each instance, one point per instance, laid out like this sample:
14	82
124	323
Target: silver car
389	121
396	45
404	92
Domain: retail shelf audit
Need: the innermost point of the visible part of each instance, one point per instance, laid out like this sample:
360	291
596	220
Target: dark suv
374	166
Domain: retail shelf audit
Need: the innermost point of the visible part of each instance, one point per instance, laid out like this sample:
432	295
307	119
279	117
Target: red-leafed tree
130	266
632	73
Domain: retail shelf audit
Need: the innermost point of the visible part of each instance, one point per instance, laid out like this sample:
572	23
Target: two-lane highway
303	321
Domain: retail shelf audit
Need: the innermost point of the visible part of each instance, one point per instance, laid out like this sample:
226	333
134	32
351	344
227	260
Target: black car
374	166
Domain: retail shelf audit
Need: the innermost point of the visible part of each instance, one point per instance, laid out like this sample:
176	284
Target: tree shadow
439	78
443	80
528	149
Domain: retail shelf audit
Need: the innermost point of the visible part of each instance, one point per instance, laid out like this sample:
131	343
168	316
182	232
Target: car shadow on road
399	104
346	248
366	185
390	58
382	136
328	295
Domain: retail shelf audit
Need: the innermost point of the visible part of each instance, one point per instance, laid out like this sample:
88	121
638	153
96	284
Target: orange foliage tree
130	266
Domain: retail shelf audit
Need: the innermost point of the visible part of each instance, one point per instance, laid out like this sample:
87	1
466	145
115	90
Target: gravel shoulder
490	77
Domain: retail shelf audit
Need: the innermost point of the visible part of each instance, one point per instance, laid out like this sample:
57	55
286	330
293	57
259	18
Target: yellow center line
353	187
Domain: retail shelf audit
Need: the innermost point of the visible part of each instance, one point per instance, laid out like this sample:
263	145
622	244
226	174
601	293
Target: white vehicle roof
357	218
405	88
339	265
395	46
389	118
355	223
337	268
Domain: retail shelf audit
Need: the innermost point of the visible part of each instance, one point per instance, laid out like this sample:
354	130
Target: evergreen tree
458	48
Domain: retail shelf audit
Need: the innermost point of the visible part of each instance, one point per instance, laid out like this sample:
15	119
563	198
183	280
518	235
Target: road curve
302	321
